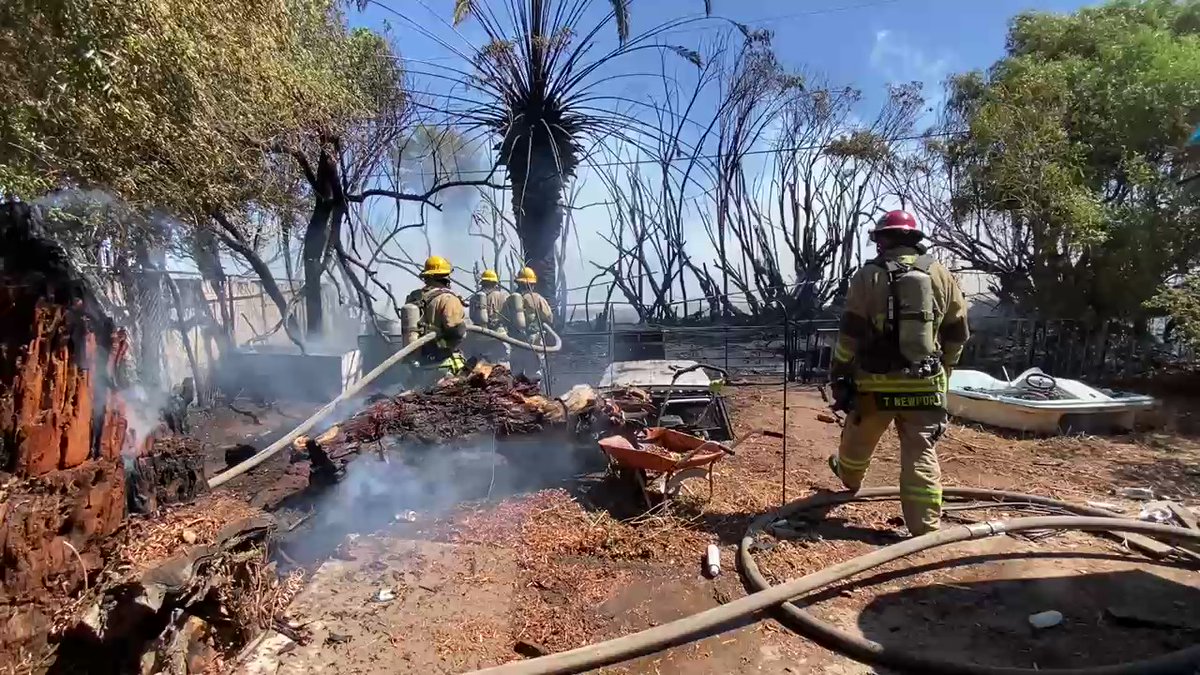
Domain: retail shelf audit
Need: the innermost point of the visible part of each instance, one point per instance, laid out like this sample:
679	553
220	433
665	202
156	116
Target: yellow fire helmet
489	275
436	266
527	276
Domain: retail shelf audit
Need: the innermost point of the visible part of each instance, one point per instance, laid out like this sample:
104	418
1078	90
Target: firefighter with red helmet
902	331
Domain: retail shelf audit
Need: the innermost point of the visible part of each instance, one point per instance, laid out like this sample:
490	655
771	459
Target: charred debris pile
486	402
81	495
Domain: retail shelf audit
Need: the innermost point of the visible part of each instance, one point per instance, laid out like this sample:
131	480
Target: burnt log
171	472
488	401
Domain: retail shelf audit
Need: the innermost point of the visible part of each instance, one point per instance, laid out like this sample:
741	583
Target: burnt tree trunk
329	203
208	261
170	472
538	213
62	432
229	235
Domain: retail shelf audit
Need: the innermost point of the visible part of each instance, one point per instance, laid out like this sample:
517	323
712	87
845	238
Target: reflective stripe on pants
422	376
453	364
920	474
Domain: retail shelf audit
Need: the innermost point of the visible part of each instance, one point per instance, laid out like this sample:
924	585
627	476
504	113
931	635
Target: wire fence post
725	333
787	356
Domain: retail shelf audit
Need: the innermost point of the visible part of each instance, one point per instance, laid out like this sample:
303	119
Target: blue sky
860	43
866	42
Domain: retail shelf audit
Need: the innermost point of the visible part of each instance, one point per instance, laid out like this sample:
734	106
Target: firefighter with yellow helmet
528	315
441	311
902	331
487	311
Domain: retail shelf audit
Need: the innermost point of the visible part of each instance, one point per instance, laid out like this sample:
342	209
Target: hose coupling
983	530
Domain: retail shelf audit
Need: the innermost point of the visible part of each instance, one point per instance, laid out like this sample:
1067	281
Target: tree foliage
171	103
1066	186
1182	304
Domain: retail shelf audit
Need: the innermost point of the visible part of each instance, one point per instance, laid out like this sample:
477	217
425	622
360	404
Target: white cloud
900	60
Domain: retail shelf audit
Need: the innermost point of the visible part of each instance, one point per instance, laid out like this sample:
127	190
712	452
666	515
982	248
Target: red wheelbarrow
666	457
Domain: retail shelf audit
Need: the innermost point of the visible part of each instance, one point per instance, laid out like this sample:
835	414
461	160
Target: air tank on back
479	309
518	306
410	323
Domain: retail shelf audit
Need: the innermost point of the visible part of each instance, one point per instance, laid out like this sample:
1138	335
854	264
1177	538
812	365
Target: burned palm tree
537	78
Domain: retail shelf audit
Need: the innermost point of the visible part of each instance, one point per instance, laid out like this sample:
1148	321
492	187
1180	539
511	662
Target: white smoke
143	413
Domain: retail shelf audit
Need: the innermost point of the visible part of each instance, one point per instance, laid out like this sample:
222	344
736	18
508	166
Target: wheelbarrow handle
752	434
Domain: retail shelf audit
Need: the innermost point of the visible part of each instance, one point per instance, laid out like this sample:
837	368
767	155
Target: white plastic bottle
712	560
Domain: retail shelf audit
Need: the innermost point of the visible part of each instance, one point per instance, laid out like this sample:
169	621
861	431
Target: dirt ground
574	563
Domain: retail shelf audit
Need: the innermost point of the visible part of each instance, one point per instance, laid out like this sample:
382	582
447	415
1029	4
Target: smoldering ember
558	336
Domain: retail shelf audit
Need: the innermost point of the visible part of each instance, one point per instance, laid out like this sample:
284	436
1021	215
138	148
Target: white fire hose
308	424
540	349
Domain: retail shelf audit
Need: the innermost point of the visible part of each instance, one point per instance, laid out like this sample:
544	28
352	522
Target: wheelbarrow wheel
675	484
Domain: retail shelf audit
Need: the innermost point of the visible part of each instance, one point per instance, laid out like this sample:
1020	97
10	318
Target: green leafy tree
1181	304
241	118
167	104
1066	186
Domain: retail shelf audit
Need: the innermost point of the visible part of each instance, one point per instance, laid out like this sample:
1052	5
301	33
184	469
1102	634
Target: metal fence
747	352
1068	348
801	351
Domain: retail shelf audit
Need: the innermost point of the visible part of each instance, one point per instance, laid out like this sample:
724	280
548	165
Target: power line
817	12
688	158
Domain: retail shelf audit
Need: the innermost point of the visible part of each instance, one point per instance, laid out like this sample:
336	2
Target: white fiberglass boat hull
974	395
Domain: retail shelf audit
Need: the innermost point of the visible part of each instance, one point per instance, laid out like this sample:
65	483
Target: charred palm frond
537	76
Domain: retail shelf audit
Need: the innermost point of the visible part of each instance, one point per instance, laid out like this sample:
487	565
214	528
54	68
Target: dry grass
470	641
151	540
575	559
558	607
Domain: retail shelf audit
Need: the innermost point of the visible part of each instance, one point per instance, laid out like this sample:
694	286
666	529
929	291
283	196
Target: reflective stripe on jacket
899	383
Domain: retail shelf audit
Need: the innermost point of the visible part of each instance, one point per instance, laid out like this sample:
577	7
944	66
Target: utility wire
688	158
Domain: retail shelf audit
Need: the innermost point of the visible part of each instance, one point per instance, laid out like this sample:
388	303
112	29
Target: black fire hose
725	617
872	653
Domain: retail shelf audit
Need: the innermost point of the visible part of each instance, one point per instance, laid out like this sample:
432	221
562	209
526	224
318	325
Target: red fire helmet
897	221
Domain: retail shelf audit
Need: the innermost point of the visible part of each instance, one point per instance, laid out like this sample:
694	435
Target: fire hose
727	616
540	349
316	418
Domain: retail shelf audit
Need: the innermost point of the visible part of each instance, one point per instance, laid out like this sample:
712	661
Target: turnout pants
920	475
424	375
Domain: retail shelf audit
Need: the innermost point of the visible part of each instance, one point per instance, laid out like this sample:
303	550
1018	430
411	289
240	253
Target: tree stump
62	432
171	472
51	531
